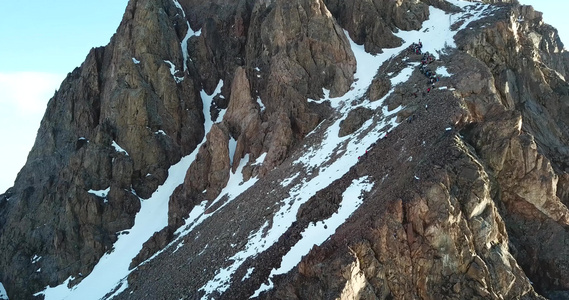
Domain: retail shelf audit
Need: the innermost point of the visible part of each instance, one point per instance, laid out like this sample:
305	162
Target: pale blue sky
54	36
41	41
555	14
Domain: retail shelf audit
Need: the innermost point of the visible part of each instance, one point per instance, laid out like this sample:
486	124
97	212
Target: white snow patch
443	88
122	288
189	34
180	245
3	293
260	159
288	181
404	75
221	281
207	101
173	71
35	259
367	65
448	129
436	33
442	71
232	147
119	148
319	232
135	61
248	274
235	187
100	193
160	132
260	103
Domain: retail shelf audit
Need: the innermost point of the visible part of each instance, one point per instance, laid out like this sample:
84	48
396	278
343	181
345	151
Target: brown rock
355	119
243	119
379	88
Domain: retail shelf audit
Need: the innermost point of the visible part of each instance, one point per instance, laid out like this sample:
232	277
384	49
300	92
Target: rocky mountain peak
305	149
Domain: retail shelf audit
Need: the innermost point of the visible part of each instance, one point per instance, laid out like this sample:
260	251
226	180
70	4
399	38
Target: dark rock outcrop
372	23
123	94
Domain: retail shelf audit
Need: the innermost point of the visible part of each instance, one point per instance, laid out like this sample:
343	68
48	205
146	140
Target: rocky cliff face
311	169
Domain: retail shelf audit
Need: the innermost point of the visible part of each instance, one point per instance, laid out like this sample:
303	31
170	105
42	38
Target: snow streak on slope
207	101
173	71
265	237
235	187
113	268
317	233
189	34
436	33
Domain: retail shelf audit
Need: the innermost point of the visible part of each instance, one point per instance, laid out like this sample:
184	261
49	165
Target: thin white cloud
23	99
28	91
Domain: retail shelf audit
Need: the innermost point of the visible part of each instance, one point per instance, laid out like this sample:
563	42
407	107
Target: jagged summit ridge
265	153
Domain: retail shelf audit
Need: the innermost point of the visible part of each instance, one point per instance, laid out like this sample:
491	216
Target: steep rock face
132	93
300	49
304	50
525	148
293	51
436	230
466	199
372	23
243	117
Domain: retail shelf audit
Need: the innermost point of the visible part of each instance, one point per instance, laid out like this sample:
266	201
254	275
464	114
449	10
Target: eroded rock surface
468	195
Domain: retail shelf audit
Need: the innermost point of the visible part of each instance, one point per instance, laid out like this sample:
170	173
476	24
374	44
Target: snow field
299	194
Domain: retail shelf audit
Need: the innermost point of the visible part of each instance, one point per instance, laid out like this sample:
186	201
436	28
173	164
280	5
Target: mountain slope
264	153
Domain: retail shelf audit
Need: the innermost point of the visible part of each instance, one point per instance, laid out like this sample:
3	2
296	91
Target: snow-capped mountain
306	149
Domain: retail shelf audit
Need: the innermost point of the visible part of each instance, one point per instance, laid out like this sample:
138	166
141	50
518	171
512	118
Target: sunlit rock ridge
301	149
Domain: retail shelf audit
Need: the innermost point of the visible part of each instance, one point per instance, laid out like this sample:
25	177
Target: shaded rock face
292	51
122	94
522	142
372	23
468	201
301	49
